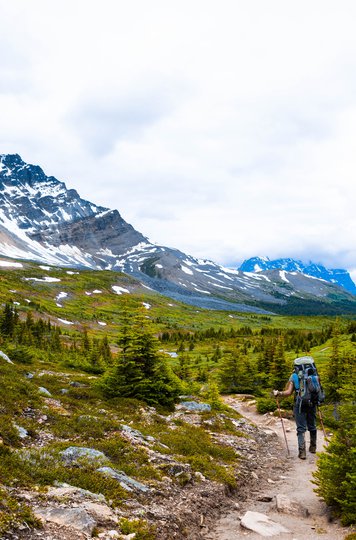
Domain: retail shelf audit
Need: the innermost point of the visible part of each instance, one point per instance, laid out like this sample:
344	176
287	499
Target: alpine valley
43	221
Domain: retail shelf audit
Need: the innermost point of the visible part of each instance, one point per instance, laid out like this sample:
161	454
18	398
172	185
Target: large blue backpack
307	382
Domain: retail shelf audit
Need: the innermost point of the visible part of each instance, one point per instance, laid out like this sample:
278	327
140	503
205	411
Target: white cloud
226	130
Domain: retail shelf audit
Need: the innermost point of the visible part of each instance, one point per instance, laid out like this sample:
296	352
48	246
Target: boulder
101	512
22	432
63	490
42	390
73	455
262	524
125	481
195	406
135	433
5	357
75	518
289	506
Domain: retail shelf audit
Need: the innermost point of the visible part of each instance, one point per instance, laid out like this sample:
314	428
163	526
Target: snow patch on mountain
64	321
10	264
119	290
187	270
46	279
282	274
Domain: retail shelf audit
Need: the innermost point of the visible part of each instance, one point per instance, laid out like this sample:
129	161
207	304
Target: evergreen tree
85	342
212	395
248	376
30	323
265	360
55	342
104	350
335	371
140	370
8	321
217	354
236	373
279	370
230	372
184	371
336	472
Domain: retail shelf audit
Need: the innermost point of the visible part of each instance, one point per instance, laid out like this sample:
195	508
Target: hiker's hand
275	393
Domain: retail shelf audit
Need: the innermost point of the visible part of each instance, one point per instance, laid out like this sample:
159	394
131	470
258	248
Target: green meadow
68	330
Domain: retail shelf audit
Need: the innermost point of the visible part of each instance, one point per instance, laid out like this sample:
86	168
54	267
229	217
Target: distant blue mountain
337	276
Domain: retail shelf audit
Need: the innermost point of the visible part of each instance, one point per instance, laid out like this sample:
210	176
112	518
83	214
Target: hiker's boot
301	445
302	452
312	447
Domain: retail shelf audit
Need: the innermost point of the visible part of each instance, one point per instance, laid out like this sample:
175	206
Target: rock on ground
262	524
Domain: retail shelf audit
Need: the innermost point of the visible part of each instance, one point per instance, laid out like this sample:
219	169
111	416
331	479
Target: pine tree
55	342
104	350
140	370
265	360
335	372
279	369
336	472
236	373
212	395
184	371
30	323
230	372
248	376
85	342
7	321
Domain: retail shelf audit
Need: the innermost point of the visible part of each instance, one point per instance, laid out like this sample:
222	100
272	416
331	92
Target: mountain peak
11	159
338	276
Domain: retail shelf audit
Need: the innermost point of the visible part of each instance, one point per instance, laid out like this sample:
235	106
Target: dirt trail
294	483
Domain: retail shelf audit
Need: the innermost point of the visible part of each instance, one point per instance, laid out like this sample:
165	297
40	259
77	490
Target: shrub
265	405
13	514
142	529
20	355
336	474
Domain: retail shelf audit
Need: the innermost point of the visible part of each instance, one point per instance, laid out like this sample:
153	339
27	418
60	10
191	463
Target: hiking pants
305	418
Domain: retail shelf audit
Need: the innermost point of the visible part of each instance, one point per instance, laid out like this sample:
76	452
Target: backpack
307	382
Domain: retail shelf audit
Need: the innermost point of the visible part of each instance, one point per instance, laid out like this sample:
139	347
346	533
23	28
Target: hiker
305	384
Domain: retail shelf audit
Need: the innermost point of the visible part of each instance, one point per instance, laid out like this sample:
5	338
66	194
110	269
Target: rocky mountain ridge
42	220
338	276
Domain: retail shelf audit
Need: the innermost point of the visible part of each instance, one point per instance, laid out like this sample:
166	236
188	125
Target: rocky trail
287	507
274	498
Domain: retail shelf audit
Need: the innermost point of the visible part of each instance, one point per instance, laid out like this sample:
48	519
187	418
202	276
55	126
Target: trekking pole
322	425
284	431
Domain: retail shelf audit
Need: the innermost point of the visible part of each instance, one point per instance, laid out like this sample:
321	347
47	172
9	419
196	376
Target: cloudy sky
224	128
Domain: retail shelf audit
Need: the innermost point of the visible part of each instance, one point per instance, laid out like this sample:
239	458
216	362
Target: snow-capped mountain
42	220
337	276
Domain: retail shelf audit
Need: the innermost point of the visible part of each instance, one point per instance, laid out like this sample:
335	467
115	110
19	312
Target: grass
33	468
194	445
13	514
142	530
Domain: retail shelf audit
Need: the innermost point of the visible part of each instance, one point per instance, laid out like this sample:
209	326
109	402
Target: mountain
337	276
42	220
